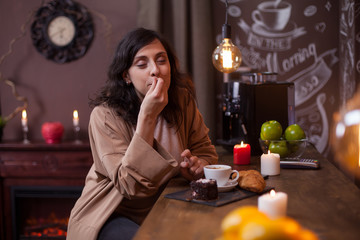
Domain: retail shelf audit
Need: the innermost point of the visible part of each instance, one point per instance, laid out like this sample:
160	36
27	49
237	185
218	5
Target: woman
144	130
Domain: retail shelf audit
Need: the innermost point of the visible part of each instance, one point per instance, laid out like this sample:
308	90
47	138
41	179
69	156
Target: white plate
227	187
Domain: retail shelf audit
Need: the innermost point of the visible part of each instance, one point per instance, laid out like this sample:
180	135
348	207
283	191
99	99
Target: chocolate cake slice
204	189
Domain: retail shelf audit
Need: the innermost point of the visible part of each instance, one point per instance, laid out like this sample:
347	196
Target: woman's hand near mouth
153	103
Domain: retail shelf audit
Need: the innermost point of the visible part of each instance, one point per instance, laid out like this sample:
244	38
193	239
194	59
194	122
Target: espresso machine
249	100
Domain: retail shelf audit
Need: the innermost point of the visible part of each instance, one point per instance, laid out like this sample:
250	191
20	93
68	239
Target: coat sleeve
135	168
196	132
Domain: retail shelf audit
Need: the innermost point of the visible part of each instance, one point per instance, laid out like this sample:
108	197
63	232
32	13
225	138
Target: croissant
251	180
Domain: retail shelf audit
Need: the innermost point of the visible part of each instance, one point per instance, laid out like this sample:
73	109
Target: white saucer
227	187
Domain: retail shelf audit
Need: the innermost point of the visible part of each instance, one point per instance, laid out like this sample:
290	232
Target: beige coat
127	168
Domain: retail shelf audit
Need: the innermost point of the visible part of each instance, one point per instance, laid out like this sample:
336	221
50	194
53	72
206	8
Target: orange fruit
289	226
306	234
248	223
233	221
260	229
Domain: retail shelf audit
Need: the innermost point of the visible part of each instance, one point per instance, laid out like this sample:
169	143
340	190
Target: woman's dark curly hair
122	97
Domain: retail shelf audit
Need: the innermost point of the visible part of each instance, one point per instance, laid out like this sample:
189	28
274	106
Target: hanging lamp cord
226	11
226	29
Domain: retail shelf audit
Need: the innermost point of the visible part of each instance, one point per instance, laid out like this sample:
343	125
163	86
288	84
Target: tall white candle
24	118
75	118
273	204
270	164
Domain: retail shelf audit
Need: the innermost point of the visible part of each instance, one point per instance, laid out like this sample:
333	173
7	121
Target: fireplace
39	184
42	212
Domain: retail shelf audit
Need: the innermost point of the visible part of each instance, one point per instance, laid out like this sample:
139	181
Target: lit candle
270	164
24	118
242	153
76	118
273	204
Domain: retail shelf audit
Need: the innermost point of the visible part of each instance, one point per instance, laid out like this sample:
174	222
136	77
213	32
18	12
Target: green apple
271	130
279	147
294	146
294	132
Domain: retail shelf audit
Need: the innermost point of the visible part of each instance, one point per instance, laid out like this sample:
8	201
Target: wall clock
62	30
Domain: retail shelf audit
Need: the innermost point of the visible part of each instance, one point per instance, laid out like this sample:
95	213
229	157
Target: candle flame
76	114
269	152
242	143
23	114
272	193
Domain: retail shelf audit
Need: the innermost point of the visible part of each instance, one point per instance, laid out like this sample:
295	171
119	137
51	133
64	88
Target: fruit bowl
286	148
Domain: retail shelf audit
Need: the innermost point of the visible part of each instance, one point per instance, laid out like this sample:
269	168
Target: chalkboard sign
299	40
349	22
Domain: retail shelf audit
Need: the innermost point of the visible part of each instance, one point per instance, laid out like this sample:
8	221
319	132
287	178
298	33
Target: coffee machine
248	101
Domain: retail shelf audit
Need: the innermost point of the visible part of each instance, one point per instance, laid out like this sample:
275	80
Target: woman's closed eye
141	64
161	60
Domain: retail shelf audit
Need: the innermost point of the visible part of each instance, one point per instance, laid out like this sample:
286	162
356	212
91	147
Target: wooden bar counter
324	201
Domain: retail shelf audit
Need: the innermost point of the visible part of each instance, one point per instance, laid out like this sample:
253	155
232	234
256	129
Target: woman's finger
186	174
153	86
186	153
159	88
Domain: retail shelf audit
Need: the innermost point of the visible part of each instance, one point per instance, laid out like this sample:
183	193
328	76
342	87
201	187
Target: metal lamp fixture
226	57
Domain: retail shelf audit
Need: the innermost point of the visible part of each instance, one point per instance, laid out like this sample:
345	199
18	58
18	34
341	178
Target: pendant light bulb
226	57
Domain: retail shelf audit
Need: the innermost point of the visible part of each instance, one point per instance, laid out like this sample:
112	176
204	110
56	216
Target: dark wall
55	90
305	51
349	49
346	149
317	49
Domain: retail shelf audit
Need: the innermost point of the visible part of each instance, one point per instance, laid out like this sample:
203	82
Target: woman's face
150	62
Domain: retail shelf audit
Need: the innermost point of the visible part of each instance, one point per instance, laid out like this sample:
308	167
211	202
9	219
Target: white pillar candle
273	204
76	118
270	164
24	118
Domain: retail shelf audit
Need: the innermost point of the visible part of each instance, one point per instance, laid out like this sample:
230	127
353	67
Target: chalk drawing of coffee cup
272	15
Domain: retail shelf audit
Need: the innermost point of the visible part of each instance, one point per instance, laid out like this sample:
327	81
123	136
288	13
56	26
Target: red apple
52	132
